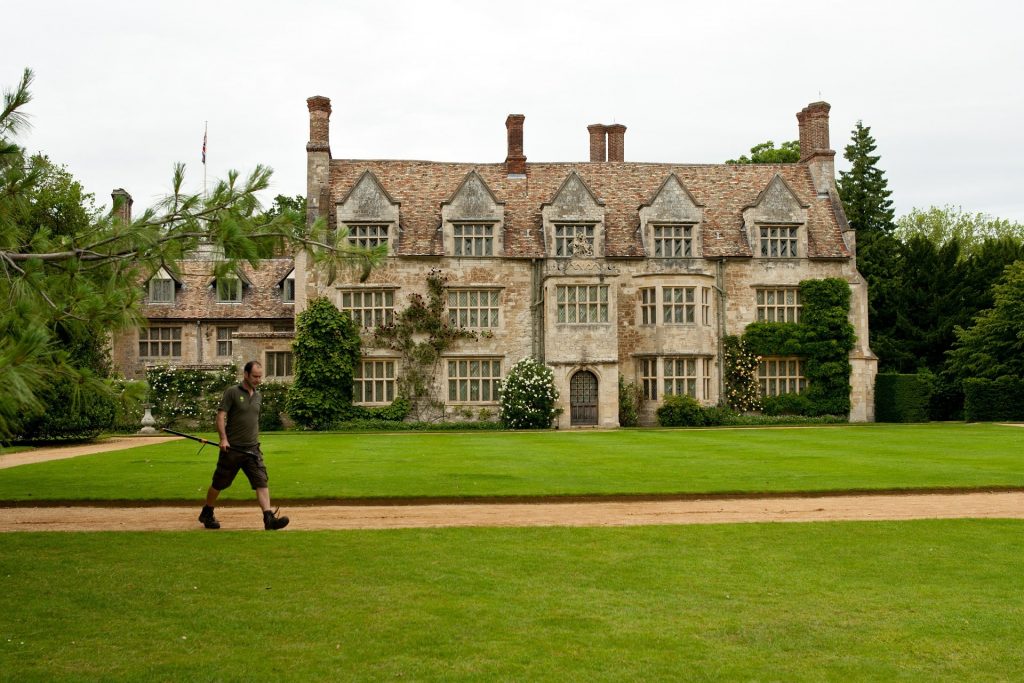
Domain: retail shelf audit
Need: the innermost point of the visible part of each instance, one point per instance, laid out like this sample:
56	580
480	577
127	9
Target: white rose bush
527	396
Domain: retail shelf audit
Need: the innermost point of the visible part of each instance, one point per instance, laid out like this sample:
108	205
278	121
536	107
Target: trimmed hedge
999	399
903	398
74	411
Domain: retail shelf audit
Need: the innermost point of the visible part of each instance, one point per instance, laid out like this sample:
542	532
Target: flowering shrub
527	396
187	394
741	390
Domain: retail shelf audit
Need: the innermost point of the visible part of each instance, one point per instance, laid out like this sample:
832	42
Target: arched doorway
583	398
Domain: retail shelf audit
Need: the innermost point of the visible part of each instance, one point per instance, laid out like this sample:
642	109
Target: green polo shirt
243	415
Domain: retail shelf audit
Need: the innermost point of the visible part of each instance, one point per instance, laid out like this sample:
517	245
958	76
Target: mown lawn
923	600
625	462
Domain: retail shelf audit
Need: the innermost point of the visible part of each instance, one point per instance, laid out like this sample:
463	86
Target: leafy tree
767	153
61	270
327	349
994	346
943	224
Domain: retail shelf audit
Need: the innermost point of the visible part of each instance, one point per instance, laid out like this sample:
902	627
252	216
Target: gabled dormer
162	288
670	224
574	221
776	223
230	287
473	220
369	214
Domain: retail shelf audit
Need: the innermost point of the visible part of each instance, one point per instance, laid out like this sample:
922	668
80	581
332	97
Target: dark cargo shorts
229	462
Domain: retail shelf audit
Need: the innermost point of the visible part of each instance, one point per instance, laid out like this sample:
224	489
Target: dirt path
114	443
830	508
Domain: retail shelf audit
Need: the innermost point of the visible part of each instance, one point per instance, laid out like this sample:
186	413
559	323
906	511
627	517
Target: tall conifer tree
865	194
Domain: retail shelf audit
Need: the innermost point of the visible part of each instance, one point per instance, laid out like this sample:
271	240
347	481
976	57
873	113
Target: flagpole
205	127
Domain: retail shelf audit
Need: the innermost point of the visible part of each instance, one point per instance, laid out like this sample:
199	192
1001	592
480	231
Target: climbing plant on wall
422	333
824	338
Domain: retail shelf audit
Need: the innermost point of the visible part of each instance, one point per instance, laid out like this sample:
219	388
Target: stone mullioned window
160	342
473	239
474	308
473	380
582	304
673	241
369	307
278	364
781	375
779	241
368	235
780	305
374	382
574	239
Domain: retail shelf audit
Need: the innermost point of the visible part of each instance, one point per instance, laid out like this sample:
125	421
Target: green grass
631	462
925	600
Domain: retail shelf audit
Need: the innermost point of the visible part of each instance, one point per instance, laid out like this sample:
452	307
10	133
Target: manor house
600	269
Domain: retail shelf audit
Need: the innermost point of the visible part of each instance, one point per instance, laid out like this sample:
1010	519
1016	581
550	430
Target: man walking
238	423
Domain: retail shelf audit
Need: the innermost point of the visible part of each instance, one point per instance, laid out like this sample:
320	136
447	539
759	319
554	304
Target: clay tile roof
196	298
420	187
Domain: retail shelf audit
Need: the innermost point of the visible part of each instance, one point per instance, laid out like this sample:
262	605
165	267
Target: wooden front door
583	398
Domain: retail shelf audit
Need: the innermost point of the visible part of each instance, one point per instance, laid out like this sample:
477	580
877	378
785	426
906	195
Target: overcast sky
123	89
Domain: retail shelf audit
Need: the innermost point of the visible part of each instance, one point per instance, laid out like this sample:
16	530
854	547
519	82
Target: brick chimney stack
598	147
515	162
122	204
813	120
319	124
616	142
814	145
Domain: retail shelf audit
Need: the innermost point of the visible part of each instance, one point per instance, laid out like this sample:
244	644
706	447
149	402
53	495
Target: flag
204	146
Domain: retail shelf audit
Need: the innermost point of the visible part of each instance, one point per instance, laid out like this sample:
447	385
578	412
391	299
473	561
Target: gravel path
710	511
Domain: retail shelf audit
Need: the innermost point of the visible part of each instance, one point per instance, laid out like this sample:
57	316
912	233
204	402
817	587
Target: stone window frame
225	345
658	375
171	341
462	383
687	240
777	207
564	307
679	372
778	242
705	377
578	245
375	389
648	375
647	298
705	306
369	234
367	317
673	309
462	314
775	312
279	364
781	375
484	237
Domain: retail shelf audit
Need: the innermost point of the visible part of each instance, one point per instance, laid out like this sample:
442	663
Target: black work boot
271	522
207	518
